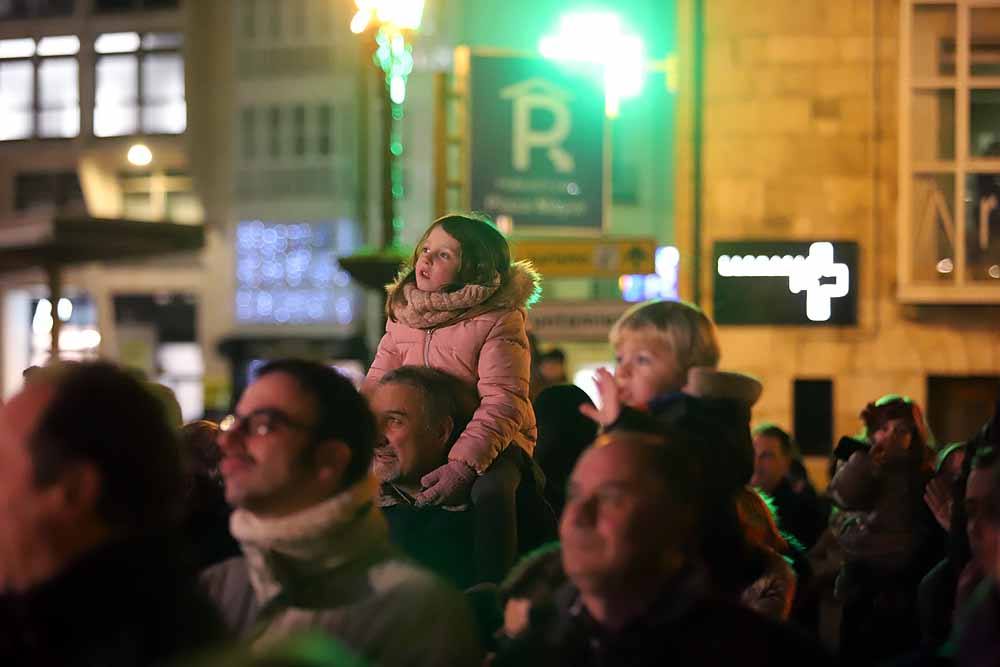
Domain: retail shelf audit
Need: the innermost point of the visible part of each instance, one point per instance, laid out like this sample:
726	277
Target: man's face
619	524
552	370
982	531
29	515
408	447
770	463
891	442
270	470
646	368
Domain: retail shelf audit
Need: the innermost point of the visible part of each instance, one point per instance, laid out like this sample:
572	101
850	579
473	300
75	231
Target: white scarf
321	538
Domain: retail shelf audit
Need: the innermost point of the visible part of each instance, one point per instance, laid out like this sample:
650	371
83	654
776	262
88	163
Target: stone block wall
800	143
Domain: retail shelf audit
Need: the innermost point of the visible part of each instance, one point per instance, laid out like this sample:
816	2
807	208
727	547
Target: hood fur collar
523	288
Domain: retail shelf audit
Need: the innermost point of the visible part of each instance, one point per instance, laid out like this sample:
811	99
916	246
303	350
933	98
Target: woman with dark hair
885	530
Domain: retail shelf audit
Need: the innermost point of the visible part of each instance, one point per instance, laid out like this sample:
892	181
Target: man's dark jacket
125	604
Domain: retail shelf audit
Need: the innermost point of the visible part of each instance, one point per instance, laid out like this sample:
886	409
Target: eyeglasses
260	422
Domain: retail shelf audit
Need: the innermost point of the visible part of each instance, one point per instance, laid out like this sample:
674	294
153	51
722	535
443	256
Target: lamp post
388	24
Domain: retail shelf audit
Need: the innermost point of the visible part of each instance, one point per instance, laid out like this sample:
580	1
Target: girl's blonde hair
485	256
681	326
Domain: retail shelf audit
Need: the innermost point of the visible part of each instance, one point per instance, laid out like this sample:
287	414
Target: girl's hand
937	496
611	403
448	485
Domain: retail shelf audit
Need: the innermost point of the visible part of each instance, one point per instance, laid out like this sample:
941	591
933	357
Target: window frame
36	61
140	55
959	288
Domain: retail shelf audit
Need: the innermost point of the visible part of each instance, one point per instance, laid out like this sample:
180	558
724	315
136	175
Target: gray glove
448	485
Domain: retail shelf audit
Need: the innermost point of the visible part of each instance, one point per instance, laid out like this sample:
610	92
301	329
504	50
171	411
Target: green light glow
401	14
599	38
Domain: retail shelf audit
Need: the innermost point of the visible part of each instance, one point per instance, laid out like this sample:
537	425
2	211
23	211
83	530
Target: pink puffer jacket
487	347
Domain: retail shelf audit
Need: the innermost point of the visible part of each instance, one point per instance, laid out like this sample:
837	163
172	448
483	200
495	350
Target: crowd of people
447	513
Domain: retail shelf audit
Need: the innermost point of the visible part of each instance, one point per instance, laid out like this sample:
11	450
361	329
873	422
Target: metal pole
388	201
55	293
698	139
364	74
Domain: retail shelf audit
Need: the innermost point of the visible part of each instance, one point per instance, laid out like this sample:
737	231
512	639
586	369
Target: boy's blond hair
682	327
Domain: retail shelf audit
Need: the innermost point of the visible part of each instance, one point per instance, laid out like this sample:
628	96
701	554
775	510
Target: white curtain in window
16	94
116	105
163	109
58	98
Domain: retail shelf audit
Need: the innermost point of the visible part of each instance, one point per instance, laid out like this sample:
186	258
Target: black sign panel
792	283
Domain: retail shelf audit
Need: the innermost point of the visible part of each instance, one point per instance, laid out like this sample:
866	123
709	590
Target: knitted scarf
321	538
427	310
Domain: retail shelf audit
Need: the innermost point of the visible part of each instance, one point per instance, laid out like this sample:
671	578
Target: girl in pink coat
460	307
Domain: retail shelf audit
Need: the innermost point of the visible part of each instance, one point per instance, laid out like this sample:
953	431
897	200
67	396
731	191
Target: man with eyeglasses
295	460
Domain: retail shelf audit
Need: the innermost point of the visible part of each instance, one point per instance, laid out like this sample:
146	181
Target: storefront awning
47	239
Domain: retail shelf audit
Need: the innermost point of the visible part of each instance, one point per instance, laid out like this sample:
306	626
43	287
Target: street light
140	155
599	38
390	23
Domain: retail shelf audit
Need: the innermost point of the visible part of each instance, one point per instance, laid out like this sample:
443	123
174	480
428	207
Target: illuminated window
949	177
58	98
287	273
52	107
160	195
140	84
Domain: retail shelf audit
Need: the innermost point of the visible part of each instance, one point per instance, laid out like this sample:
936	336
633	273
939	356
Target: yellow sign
587	258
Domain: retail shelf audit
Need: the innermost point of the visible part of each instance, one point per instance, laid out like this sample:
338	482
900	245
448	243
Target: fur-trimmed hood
429	310
523	288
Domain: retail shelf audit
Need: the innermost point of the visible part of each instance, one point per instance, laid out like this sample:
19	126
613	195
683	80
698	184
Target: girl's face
439	261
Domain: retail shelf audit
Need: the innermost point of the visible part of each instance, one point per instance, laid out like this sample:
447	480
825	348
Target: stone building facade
801	120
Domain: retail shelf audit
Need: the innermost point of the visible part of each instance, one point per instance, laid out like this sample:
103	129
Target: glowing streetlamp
394	19
140	155
599	38
391	23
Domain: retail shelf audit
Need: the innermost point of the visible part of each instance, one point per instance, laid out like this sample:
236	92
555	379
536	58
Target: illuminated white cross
804	274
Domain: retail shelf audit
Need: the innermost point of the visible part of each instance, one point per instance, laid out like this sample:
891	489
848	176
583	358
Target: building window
324	130
140	84
248	133
61	189
949	204
39	89
29	9
134	5
160	196
299	129
274	131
